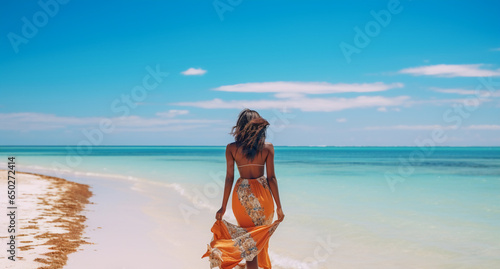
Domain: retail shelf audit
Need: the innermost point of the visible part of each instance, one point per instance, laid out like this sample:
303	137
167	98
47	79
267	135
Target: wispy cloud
495	49
172	113
440	102
454	91
341	120
467	92
39	121
304	103
194	72
484	127
410	127
292	95
451	70
433	127
308	87
397	109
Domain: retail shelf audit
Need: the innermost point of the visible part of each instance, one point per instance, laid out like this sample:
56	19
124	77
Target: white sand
123	236
124	226
137	224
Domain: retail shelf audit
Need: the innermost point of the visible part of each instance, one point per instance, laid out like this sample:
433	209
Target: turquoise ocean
345	207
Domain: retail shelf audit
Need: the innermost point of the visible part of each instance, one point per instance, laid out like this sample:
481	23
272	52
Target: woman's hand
281	216
220	213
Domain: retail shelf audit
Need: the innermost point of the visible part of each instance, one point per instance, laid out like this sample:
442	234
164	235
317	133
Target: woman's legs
253	264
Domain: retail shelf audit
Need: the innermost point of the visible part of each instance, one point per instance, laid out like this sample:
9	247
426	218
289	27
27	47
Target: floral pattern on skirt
232	245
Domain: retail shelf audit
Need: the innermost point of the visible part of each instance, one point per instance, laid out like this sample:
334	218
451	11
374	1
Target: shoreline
50	219
124	235
118	228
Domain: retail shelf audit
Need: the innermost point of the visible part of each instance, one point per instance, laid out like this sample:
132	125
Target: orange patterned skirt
253	208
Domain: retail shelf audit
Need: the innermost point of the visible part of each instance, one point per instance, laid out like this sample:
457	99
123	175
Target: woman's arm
273	182
229	182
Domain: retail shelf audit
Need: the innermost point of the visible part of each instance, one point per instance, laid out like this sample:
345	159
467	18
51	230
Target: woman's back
250	169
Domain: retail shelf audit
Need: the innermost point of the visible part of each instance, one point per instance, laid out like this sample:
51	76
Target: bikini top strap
250	164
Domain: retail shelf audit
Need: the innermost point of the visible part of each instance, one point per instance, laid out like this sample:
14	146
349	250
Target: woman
252	200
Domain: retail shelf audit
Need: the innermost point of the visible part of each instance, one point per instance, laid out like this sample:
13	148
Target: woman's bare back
250	169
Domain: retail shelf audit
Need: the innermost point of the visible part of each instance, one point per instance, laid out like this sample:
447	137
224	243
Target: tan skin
266	156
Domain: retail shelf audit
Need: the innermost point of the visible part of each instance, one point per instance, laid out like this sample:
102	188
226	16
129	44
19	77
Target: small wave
281	261
196	201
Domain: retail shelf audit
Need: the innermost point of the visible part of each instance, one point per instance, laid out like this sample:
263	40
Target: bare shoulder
231	146
269	146
230	149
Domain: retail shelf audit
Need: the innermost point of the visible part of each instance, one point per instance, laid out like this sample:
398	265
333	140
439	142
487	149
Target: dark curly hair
250	132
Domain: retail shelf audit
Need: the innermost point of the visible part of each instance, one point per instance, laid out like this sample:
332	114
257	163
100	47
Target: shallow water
436	209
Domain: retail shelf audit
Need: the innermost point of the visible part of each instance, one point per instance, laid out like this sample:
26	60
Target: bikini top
250	164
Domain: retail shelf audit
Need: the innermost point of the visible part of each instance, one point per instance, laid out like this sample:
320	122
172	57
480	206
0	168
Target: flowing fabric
253	208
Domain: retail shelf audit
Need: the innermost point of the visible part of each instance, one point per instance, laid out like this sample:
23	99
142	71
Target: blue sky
338	73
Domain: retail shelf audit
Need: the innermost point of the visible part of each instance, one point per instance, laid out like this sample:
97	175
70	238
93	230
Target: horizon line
311	146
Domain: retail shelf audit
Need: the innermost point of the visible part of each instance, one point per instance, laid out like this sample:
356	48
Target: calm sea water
438	208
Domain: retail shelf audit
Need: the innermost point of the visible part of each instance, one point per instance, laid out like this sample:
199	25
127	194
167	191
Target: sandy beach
50	220
89	222
125	227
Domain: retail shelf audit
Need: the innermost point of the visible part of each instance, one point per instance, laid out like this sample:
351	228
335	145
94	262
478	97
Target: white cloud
471	101
341	120
194	72
495	49
451	70
308	87
410	127
384	109
484	127
41	121
289	95
454	91
172	113
482	94
433	127
304	104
